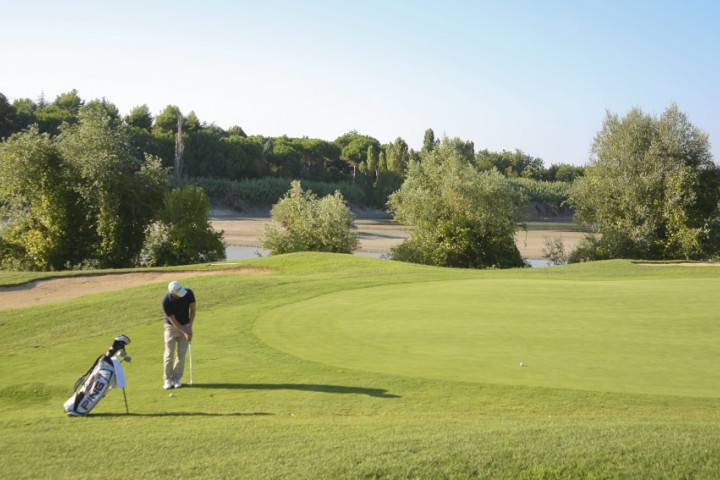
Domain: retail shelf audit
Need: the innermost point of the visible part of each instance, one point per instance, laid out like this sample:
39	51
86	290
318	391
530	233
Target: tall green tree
140	117
167	120
45	224
244	158
236	130
428	141
120	192
651	190
25	109
373	161
459	217
8	118
69	101
51	117
398	156
354	148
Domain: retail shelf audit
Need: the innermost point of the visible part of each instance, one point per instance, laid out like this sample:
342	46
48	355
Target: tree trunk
179	149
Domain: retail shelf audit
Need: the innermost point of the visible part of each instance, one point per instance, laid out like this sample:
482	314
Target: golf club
190	352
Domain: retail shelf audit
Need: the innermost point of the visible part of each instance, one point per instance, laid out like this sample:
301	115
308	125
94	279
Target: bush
460	217
183	234
303	222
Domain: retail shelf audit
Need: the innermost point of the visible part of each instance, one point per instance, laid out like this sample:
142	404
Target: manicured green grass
341	366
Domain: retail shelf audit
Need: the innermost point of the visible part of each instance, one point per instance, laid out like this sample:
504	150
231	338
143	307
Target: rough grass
340	366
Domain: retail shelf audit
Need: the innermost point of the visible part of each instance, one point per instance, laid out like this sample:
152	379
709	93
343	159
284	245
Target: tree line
209	151
83	198
651	191
84	186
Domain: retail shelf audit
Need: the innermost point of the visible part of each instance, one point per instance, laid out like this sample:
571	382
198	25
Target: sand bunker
57	289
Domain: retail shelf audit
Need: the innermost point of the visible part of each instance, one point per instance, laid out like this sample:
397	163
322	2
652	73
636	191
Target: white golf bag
105	373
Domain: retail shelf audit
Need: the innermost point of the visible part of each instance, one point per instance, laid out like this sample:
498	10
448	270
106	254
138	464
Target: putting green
654	336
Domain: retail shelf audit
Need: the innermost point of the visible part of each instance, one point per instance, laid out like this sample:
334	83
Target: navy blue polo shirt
180	307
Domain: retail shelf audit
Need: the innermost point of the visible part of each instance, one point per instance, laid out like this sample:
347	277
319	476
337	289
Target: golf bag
103	375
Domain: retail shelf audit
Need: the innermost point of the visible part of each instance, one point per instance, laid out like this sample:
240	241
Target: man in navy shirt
179	308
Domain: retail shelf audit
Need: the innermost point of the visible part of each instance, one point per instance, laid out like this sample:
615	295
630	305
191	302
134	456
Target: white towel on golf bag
119	374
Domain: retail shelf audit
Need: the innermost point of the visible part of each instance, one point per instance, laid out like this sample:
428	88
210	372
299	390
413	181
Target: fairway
632	336
340	366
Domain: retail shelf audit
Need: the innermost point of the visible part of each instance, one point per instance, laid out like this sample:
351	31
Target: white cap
176	289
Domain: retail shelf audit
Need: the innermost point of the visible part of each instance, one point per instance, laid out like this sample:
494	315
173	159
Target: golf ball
171	395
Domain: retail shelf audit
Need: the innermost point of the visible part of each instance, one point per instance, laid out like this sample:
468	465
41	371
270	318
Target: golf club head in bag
103	375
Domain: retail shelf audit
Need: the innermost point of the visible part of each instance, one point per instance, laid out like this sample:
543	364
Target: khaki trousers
175	342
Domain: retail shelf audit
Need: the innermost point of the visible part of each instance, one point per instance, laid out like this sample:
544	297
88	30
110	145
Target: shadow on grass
178	414
303	387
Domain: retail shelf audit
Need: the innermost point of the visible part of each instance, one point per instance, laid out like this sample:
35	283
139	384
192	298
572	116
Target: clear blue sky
531	75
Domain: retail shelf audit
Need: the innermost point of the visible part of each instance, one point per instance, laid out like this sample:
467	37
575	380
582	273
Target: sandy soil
376	235
56	289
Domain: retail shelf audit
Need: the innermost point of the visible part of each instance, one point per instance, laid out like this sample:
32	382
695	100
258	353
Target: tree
139	117
398	156
69	101
459	217
563	172
428	141
45	223
244	158
179	149
373	161
50	117
303	222
354	148
25	109
167	120
183	234
285	160
236	130
8	118
119	192
192	123
102	107
651	190
510	164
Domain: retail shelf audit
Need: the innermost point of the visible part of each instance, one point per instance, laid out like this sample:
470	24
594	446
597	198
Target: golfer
179	308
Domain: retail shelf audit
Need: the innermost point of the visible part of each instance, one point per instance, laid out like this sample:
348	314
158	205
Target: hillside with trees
207	155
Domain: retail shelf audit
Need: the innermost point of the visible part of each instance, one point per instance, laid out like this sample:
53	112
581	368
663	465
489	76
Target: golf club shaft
190	351
127	411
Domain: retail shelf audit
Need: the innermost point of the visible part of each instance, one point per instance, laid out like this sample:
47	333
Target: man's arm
173	321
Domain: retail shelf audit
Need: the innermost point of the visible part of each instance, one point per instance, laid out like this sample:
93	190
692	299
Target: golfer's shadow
303	387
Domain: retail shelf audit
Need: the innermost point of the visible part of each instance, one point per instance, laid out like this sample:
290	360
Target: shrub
183	234
303	222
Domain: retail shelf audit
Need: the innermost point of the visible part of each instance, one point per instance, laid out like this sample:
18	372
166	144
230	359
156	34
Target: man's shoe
177	384
168	385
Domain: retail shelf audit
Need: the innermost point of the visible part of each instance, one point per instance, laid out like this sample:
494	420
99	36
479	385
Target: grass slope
341	366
